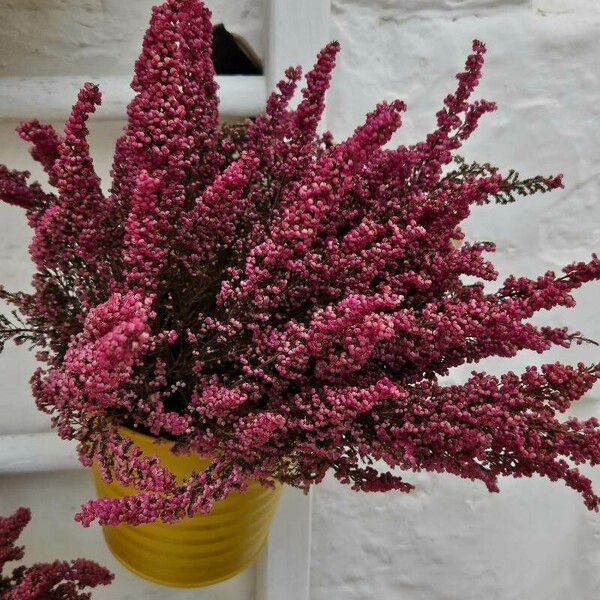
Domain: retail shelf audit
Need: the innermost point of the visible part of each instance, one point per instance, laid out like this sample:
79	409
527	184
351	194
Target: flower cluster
282	303
58	580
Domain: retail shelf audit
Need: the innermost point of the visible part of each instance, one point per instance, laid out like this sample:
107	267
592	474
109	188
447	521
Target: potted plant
256	305
58	580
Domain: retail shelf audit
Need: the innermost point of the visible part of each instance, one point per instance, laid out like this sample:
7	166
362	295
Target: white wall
449	539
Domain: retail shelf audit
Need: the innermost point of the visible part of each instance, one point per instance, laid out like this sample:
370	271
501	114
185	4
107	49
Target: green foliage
511	186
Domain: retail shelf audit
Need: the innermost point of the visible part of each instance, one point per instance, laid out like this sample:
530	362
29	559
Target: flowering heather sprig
45	145
58	580
15	190
72	228
282	303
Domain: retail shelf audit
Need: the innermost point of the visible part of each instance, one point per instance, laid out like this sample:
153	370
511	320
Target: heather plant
284	303
58	580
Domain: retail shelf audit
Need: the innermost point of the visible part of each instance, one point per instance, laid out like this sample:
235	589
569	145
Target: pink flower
282	303
59	579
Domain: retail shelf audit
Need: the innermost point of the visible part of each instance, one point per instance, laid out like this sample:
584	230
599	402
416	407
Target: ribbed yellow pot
196	551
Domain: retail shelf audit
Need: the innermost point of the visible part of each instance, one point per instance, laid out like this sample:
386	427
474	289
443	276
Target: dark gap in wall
232	55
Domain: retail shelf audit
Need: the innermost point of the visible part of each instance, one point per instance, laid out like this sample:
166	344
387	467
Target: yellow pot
196	551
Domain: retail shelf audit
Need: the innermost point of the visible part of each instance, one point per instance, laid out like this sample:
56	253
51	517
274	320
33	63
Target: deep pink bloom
60	580
282	303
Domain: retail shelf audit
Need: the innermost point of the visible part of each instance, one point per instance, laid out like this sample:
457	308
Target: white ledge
51	98
34	452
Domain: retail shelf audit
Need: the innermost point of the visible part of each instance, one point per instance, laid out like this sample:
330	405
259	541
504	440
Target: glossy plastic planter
196	551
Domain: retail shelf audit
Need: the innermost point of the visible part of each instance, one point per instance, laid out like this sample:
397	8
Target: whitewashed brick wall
449	540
